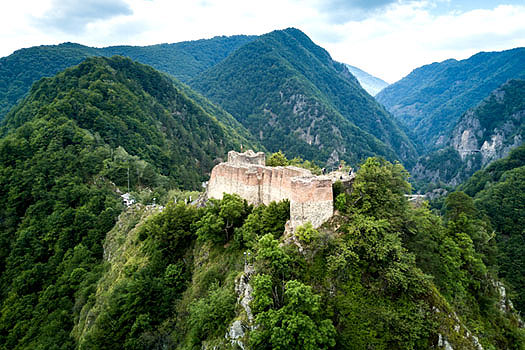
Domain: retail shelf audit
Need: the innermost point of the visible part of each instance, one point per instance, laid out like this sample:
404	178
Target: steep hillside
290	93
180	279
431	99
499	192
21	69
182	60
371	84
483	134
135	107
67	152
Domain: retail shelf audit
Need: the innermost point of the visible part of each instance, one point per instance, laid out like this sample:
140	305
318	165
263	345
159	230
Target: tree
379	190
458	202
298	324
277	159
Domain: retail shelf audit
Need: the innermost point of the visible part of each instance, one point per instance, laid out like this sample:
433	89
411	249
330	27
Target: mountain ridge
431	98
19	70
282	76
484	133
372	84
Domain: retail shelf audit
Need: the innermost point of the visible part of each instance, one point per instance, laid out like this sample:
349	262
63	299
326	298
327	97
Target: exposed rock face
483	134
470	137
310	196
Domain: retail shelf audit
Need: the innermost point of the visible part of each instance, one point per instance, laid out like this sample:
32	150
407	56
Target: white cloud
394	38
405	37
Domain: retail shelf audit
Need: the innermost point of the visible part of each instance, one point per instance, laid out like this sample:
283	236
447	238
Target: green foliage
298	324
306	233
379	190
53	219
290	93
131	106
341	201
428	101
222	218
65	151
272	257
491	174
498	195
458	203
261	221
277	159
182	60
209	315
499	111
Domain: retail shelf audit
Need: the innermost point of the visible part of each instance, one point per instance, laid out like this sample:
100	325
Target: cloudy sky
387	38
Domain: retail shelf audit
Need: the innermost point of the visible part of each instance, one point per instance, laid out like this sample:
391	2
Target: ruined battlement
248	157
245	174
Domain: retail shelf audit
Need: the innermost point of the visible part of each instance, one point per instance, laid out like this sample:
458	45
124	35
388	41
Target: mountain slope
146	115
182	60
180	280
431	99
499	192
64	153
371	84
483	134
290	93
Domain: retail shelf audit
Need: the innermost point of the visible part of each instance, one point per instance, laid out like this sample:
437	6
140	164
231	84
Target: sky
387	38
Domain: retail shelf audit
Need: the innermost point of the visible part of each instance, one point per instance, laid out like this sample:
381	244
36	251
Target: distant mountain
431	99
483	134
291	94
371	84
182	60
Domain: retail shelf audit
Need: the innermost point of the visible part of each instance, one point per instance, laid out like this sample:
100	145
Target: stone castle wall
248	157
245	174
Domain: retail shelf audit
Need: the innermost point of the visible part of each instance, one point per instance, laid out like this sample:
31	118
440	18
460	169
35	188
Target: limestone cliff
483	134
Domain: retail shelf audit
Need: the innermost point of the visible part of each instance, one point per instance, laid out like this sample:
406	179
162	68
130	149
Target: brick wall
310	196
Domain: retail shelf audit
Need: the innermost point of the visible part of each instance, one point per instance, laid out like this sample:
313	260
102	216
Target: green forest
431	99
497	117
380	273
291	95
182	60
81	268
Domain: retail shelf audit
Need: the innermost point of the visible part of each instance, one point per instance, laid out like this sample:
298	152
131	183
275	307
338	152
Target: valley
311	243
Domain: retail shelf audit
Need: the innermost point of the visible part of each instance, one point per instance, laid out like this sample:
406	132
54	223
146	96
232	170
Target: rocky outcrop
310	196
483	134
470	137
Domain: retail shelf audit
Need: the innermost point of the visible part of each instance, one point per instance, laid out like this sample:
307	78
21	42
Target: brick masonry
245	174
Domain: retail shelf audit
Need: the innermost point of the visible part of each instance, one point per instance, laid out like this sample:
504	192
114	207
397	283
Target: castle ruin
245	174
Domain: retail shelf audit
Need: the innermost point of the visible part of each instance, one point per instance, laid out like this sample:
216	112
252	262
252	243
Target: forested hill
129	105
293	96
182	60
499	192
483	134
431	99
66	150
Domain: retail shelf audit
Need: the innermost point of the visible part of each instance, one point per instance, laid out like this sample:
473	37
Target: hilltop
290	94
182	60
